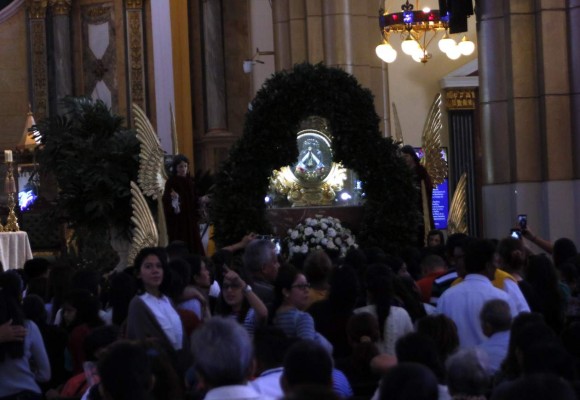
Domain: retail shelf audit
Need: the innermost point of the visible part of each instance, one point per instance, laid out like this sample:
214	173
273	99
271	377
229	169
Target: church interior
510	109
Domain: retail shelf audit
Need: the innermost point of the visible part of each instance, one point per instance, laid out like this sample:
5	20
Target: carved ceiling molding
11	9
61	7
37	8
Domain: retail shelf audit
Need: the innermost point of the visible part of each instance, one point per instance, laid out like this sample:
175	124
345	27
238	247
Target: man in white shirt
496	321
223	356
464	301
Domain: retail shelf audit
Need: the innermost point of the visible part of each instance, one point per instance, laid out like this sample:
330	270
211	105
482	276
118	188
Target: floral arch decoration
390	215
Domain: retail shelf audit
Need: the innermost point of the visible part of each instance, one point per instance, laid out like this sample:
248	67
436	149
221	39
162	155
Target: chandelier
418	29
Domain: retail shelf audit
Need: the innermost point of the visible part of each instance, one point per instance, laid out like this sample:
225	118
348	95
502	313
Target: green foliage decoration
93	159
269	142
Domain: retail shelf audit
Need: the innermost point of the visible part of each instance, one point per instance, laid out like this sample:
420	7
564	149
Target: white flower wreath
320	232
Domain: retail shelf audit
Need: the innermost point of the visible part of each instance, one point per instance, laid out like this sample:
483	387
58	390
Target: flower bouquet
320	232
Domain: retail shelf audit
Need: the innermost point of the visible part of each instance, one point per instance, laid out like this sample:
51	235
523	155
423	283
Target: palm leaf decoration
398	130
145	233
457	220
433	160
152	175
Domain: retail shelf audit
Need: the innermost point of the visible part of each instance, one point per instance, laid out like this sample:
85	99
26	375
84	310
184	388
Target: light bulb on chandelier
454	53
466	47
386	52
410	45
446	43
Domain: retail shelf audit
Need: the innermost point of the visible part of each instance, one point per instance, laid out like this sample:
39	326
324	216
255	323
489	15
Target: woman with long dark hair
151	313
22	363
290	299
394	322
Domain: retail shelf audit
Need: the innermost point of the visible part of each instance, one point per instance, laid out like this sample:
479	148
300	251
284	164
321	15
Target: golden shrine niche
314	179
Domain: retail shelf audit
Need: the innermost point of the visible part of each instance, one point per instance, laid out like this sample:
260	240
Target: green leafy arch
268	142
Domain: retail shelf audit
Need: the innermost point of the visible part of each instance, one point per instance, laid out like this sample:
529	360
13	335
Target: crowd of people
462	318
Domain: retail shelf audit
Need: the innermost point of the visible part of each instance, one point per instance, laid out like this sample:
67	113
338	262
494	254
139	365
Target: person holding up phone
239	302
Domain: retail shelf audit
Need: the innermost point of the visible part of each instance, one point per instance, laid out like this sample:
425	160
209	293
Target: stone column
38	56
528	151
216	117
61	41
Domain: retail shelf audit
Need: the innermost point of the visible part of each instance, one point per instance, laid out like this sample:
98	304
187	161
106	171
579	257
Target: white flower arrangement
320	232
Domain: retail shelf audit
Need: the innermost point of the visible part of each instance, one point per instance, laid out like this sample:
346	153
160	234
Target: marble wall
13	78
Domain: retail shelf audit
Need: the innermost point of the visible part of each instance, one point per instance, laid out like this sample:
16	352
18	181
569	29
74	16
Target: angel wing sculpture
152	175
433	160
457	220
145	233
398	131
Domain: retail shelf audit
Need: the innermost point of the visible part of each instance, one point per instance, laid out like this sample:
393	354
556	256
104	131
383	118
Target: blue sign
440	201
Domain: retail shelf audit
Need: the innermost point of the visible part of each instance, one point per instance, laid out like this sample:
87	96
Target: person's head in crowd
543	277
180	165
408	295
411	256
479	255
435	238
495	316
180	277
317	267
570	275
39	287
467	374
200	273
33	307
79	307
166	381
362	331
270	346
410	156
409	381
87	279
219	259
510	366
306	363
418	348
177	249
512	255
548	357
125	372
11	283
59	283
564	249
397	265
375	255
10	310
223	353
535	387
261	260
311	392
455	250
152	271
570	340
356	258
98	340
232	299
122	289
291	288
432	263
379	283
35	268
344	289
443	331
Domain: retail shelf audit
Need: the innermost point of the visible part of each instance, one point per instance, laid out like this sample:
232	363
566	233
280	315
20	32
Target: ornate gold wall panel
61	7
460	99
38	56
136	59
